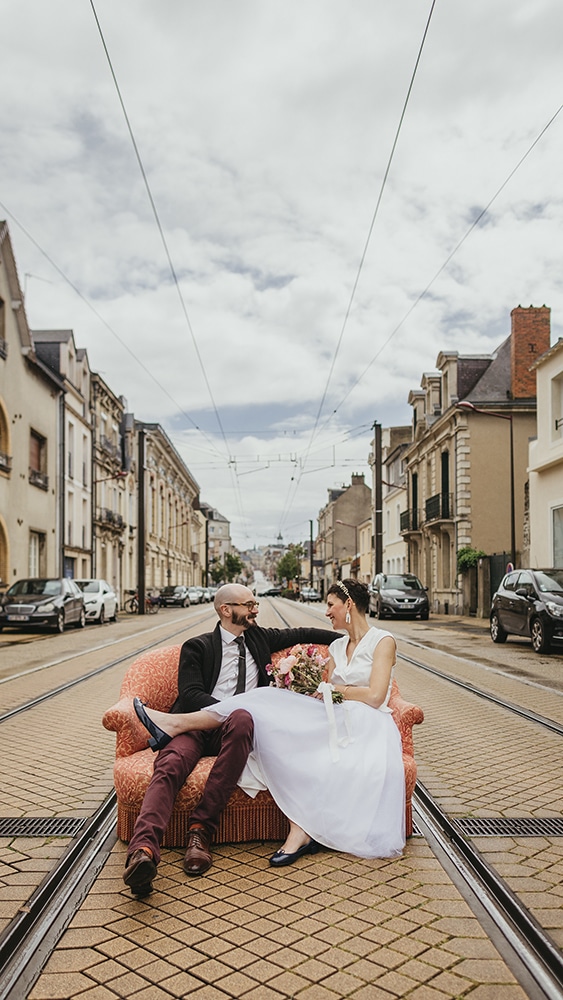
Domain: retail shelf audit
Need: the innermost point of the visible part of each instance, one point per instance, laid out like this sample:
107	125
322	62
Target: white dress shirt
228	675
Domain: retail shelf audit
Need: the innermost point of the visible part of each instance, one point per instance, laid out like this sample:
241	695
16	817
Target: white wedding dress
354	803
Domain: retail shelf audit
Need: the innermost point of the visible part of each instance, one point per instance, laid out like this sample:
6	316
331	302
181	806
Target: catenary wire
452	254
374	216
443	266
105	323
287	508
158	223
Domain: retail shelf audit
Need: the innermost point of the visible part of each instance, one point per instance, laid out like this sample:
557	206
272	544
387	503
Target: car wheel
424	616
102	615
371	612
497	632
187	602
541	640
60	623
379	612
82	619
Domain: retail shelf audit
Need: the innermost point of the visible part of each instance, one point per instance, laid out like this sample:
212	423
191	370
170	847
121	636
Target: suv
310	594
529	602
55	602
178	596
398	595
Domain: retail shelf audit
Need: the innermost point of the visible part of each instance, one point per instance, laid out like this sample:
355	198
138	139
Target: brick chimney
529	338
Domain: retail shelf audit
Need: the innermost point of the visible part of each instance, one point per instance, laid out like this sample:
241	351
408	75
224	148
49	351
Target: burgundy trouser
231	743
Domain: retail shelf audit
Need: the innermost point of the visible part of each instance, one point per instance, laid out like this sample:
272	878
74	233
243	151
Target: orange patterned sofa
153	677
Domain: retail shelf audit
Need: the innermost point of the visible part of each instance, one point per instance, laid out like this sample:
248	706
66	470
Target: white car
195	595
100	600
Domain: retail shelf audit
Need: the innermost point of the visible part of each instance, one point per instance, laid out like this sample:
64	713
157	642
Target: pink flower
285	665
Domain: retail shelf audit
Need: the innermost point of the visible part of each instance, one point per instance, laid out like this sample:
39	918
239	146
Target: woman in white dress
335	771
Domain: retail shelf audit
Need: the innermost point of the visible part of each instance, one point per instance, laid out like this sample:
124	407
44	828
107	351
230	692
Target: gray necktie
241	679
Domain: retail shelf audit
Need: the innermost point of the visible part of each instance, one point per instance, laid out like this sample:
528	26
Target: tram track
530	951
45	696
533	955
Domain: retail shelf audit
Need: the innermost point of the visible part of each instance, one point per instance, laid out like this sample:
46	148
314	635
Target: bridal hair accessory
343	587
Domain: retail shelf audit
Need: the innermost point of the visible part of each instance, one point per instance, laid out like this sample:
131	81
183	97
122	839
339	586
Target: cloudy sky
279	309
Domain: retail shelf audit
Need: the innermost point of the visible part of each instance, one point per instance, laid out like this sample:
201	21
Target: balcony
410	521
40	479
109	517
109	447
439	507
5	462
3	348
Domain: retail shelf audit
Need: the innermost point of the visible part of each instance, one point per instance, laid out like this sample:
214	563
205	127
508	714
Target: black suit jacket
200	659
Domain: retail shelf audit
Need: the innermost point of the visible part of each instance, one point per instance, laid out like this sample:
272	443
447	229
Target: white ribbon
326	690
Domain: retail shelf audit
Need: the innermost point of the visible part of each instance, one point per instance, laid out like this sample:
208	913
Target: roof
493	382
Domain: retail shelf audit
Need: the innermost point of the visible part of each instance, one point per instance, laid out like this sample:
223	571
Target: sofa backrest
153	677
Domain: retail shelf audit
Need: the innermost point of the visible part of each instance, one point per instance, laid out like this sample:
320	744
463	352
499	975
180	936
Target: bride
335	771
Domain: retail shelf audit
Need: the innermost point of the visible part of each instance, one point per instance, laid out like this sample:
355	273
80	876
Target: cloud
264	131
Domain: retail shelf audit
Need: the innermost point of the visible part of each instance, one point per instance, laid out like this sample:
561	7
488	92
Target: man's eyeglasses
243	604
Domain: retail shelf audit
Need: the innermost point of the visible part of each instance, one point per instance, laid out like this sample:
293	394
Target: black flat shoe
280	859
159	739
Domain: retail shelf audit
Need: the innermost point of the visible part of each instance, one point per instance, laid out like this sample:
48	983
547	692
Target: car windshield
89	586
402	583
47	587
550	582
168	590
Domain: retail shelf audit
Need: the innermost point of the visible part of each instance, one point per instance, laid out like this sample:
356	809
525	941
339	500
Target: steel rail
49	909
510	706
527	939
92	673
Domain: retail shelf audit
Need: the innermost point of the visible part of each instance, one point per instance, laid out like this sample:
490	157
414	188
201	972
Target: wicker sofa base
251	819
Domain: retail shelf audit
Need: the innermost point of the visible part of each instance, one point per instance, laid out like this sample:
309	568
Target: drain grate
510	826
42	826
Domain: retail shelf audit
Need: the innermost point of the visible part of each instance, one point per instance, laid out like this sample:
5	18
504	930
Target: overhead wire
366	245
108	327
442	268
232	466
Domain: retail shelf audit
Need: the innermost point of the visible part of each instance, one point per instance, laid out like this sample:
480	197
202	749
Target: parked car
398	595
310	594
100	600
271	592
529	602
195	595
175	596
40	601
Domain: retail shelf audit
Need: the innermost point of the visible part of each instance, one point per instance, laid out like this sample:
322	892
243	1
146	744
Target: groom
214	666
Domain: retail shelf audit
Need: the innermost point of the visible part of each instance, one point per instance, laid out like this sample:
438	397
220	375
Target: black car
398	595
40	601
178	596
271	592
529	602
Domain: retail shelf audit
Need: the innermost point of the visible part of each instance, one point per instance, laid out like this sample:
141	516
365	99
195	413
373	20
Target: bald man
212	667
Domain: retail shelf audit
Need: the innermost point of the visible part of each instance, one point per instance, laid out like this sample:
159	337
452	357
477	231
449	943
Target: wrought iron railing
5	462
439	507
410	520
40	479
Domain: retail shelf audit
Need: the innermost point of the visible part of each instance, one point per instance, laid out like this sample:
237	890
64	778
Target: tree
232	566
289	566
216	571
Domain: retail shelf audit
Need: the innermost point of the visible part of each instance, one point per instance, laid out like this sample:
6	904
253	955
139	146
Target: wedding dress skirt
355	803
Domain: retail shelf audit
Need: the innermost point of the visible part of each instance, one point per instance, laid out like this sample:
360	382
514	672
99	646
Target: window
38	460
70	451
36	558
3	342
557	408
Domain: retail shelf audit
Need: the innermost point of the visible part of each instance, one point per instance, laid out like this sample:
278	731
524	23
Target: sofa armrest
131	734
406	715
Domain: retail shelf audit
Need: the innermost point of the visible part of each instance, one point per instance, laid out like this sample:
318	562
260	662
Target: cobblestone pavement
332	926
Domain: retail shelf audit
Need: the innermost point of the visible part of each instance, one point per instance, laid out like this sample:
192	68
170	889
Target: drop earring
348	618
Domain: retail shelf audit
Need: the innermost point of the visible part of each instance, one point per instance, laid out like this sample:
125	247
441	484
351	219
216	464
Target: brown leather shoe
139	873
198	856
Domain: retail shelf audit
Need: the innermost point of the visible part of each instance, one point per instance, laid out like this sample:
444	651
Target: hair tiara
343	587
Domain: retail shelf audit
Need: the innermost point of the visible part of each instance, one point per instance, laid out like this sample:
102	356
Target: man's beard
238	619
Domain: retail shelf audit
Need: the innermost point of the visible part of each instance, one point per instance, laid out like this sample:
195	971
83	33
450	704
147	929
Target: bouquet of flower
302	670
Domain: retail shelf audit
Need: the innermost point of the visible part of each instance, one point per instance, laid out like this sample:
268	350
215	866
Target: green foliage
216	572
289	566
468	557
232	566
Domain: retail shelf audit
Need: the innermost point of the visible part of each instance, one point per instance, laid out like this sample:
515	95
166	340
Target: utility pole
311	552
378	520
141	590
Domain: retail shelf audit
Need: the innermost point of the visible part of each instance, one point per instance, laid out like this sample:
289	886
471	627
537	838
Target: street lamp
356	553
466	405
